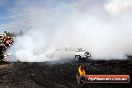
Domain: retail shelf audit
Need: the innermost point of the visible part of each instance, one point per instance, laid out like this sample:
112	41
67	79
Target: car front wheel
77	57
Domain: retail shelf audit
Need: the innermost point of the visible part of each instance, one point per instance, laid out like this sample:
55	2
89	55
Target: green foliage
14	34
10	34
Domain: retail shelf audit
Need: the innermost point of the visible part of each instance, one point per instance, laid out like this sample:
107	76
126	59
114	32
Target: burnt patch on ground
45	75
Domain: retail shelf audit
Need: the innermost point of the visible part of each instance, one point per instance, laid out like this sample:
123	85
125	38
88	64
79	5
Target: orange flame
81	71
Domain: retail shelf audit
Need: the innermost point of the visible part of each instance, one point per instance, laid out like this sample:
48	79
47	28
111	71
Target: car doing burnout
78	55
82	55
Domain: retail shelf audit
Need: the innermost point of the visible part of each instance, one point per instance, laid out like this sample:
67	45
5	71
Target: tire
77	57
89	55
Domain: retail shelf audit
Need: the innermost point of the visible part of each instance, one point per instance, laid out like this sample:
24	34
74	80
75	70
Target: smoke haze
102	27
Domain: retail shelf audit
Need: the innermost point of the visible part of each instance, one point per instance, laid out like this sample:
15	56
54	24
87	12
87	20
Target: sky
5	6
11	15
5	13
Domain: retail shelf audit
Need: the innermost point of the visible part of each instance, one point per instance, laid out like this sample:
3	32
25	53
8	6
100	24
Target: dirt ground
45	75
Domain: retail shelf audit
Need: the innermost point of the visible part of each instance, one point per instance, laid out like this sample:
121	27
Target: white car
82	55
68	53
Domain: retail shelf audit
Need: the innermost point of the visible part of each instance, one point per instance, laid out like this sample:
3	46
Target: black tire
77	57
89	55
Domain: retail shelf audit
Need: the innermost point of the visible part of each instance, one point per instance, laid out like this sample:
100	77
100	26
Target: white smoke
77	24
116	6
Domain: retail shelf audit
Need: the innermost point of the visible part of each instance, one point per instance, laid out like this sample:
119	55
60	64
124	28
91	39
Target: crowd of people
5	43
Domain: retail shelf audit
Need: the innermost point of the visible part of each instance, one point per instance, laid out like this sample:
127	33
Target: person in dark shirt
2	49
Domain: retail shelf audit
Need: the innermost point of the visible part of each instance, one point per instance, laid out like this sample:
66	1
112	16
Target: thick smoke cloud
91	25
116	6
